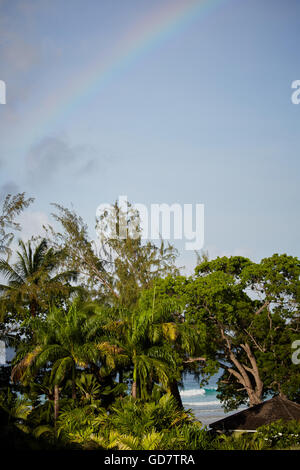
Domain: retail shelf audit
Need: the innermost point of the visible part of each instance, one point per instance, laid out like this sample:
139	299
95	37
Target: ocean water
203	402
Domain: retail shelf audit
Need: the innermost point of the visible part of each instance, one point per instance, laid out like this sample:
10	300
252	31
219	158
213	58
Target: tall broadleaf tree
249	314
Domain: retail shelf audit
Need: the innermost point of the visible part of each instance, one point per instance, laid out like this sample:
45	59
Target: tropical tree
134	264
35	279
188	342
152	359
59	344
147	337
249	316
115	269
12	206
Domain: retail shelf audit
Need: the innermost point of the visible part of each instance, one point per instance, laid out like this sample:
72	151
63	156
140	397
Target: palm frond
38	257
20	368
9	273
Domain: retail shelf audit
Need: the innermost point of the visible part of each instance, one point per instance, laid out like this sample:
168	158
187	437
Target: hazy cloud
54	157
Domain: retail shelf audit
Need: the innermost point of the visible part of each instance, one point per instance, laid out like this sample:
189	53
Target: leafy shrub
243	441
132	424
280	434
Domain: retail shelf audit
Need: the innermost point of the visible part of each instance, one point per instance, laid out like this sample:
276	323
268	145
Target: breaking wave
197	391
202	403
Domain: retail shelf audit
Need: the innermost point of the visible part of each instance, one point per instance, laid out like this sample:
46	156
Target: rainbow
169	19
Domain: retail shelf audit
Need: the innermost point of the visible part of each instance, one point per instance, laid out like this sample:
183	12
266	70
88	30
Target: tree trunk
242	373
73	390
33	308
73	383
134	383
173	388
255	395
254	398
56	405
133	389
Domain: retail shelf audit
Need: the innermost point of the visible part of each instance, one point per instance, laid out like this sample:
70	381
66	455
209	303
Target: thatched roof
258	415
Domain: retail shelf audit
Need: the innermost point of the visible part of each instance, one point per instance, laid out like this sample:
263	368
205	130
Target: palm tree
59	345
141	339
158	344
34	279
170	328
63	344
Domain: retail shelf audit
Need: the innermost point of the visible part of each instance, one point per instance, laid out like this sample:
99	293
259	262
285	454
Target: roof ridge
283	403
286	408
290	402
246	410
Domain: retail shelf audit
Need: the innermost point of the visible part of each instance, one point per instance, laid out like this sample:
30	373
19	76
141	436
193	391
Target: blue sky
203	116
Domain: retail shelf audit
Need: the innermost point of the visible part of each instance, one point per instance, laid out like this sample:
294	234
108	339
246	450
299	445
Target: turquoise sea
203	401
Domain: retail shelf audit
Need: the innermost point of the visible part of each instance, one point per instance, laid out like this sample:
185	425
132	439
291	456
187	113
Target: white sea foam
201	403
192	393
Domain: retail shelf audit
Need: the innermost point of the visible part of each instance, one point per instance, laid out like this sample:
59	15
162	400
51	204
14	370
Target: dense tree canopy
107	327
250	313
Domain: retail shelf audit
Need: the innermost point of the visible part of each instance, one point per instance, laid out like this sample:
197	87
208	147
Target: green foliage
248	317
134	425
135	318
116	269
280	434
12	206
134	265
17	408
88	387
243	441
35	280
